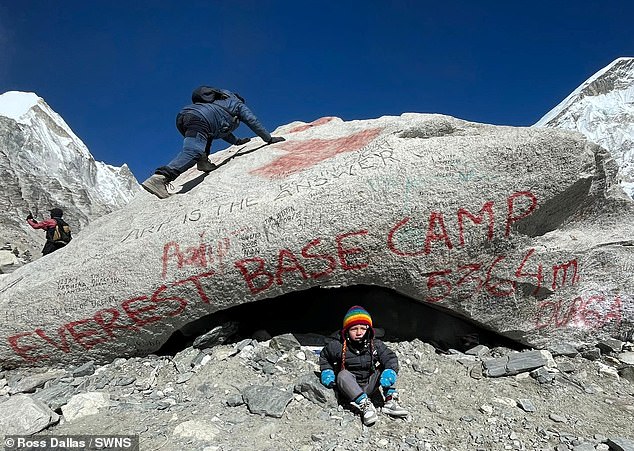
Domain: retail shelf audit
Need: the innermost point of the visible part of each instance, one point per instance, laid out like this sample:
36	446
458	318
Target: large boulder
521	230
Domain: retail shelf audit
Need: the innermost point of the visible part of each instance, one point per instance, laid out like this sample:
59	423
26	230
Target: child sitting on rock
357	363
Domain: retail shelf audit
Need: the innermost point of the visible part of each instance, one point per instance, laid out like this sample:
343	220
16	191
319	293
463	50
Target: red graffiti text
592	312
348	256
437	231
131	315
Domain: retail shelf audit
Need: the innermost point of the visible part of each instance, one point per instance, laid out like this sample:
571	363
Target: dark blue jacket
223	116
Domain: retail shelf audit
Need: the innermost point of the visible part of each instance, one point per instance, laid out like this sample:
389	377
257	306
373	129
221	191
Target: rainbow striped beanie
356	315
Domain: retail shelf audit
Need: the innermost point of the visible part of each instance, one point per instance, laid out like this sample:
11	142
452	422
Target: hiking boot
392	408
368	412
157	185
205	165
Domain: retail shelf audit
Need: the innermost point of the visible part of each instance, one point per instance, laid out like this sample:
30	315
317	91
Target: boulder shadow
238	153
191	184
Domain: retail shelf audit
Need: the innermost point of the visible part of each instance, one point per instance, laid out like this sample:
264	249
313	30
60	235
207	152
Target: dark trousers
50	246
196	145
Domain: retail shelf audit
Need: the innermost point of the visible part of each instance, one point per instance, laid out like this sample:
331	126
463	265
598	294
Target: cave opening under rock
317	312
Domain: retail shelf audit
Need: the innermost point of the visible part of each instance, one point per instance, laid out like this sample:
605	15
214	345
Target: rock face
44	165
602	108
521	230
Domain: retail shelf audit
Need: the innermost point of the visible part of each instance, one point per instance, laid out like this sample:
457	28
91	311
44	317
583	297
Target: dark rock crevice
312	314
552	214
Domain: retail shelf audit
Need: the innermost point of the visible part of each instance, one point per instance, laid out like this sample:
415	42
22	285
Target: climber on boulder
214	113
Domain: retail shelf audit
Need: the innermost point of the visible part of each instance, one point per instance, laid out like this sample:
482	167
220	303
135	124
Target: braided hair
345	349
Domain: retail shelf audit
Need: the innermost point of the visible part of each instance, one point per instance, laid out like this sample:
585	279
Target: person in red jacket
54	240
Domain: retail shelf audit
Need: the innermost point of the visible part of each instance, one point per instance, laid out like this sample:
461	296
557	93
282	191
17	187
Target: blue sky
119	71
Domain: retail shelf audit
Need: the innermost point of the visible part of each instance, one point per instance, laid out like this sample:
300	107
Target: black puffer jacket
360	361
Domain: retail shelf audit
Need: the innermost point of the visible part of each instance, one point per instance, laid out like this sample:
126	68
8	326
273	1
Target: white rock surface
85	404
24	415
521	230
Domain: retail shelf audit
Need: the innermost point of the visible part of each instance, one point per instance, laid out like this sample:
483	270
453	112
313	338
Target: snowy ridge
15	104
65	156
602	109
29	109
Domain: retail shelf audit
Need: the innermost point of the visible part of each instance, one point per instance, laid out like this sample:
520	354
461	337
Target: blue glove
328	378
388	378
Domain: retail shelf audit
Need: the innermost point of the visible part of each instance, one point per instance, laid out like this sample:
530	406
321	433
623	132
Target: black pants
51	246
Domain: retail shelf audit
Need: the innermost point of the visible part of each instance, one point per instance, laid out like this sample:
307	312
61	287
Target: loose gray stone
566	367
28	384
610	346
583	447
24	415
184	377
268	368
199	357
235	400
592	354
285	343
309	386
125	381
517	362
102	382
478	351
496	367
565	349
542	375
198	430
242	343
55	396
526	405
529	360
216	336
626	357
86	369
85	404
627	373
184	359
266	400
476	371
557	418
620	444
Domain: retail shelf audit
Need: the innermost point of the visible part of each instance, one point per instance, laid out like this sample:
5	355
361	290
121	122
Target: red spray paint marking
591	313
318	122
305	154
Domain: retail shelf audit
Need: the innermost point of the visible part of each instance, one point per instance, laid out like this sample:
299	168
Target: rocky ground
266	395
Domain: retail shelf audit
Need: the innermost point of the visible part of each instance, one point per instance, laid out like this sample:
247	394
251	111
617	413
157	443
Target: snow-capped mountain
602	108
45	165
